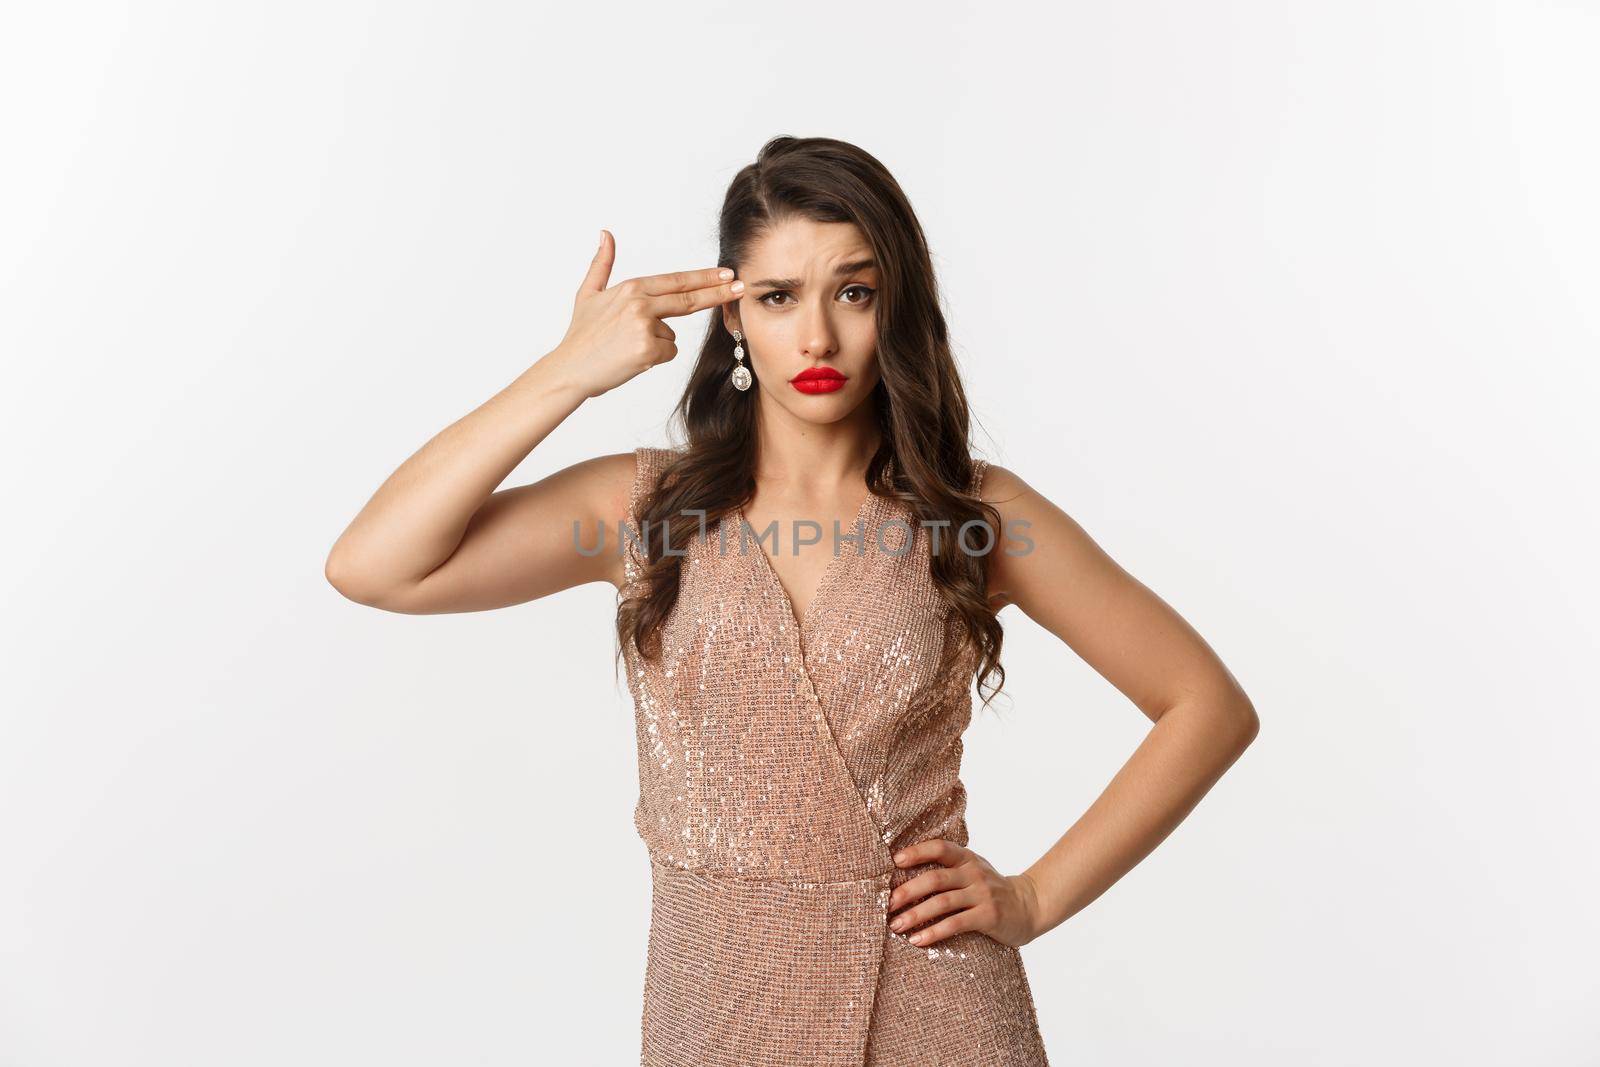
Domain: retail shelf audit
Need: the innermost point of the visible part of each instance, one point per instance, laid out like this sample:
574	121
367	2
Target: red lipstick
818	380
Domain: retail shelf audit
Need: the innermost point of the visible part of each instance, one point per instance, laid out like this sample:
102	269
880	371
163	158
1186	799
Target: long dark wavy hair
921	405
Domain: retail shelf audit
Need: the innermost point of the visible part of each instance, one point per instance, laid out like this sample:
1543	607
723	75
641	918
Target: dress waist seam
795	883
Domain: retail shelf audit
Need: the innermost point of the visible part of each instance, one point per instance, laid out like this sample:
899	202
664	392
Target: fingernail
899	857
724	273
602	238
919	937
737	287
898	924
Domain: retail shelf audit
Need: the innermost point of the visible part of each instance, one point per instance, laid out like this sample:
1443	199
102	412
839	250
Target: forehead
803	246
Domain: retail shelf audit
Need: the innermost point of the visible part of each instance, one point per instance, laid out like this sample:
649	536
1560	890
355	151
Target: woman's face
810	303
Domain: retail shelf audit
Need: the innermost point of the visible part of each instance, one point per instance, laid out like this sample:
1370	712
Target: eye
867	293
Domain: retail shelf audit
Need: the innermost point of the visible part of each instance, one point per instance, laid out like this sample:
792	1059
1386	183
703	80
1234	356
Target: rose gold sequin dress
782	762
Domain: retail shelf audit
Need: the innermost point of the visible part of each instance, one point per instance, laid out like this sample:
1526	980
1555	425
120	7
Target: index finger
689	301
928	850
683	280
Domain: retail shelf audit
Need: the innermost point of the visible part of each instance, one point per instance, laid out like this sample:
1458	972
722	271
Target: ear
730	317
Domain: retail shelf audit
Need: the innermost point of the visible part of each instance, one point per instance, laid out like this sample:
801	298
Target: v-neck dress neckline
860	523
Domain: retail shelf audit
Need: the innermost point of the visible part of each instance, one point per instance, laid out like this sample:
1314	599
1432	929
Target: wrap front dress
782	762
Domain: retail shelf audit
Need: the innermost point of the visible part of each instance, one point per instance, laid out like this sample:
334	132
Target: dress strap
648	463
979	468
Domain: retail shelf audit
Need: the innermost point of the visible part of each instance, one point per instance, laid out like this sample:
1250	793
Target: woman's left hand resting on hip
965	889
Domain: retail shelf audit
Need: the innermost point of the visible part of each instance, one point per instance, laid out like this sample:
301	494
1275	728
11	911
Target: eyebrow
796	283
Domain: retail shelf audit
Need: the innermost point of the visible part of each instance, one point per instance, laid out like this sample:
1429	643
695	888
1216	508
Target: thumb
600	266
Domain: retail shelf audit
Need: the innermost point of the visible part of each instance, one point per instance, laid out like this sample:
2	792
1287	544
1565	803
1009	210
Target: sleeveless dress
782	762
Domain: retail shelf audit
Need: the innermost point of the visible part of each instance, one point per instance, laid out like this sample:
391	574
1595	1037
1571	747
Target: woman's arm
436	537
1203	719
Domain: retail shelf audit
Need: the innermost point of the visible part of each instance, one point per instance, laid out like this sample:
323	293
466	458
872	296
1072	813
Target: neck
808	456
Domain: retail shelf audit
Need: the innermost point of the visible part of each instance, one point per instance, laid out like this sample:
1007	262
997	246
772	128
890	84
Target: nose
817	339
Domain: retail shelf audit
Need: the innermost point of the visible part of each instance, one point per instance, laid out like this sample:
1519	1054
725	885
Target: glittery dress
782	762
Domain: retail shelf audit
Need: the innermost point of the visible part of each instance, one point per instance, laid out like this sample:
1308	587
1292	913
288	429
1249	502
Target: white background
1292	305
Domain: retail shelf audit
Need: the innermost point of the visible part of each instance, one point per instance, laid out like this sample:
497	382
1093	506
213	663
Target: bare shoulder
610	478
1038	542
612	481
1012	495
609	483
597	488
536	522
999	483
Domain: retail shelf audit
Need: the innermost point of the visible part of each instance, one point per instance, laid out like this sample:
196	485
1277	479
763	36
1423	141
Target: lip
818	380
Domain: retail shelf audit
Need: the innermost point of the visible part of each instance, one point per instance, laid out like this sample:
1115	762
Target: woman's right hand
617	333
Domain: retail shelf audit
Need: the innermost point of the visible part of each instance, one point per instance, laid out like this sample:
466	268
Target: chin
822	412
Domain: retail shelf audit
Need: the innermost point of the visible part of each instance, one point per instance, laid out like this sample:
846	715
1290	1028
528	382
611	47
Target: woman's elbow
1247	724
351	582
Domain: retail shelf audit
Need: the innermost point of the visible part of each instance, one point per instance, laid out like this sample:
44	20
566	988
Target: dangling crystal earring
741	373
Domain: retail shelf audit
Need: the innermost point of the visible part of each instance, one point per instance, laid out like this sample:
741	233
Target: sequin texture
783	760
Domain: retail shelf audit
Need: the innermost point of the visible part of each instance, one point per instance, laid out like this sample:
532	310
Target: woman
800	713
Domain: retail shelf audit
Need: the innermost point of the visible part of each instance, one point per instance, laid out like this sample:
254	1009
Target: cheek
763	338
868	345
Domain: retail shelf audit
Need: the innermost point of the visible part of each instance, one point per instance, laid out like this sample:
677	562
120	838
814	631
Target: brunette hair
921	405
